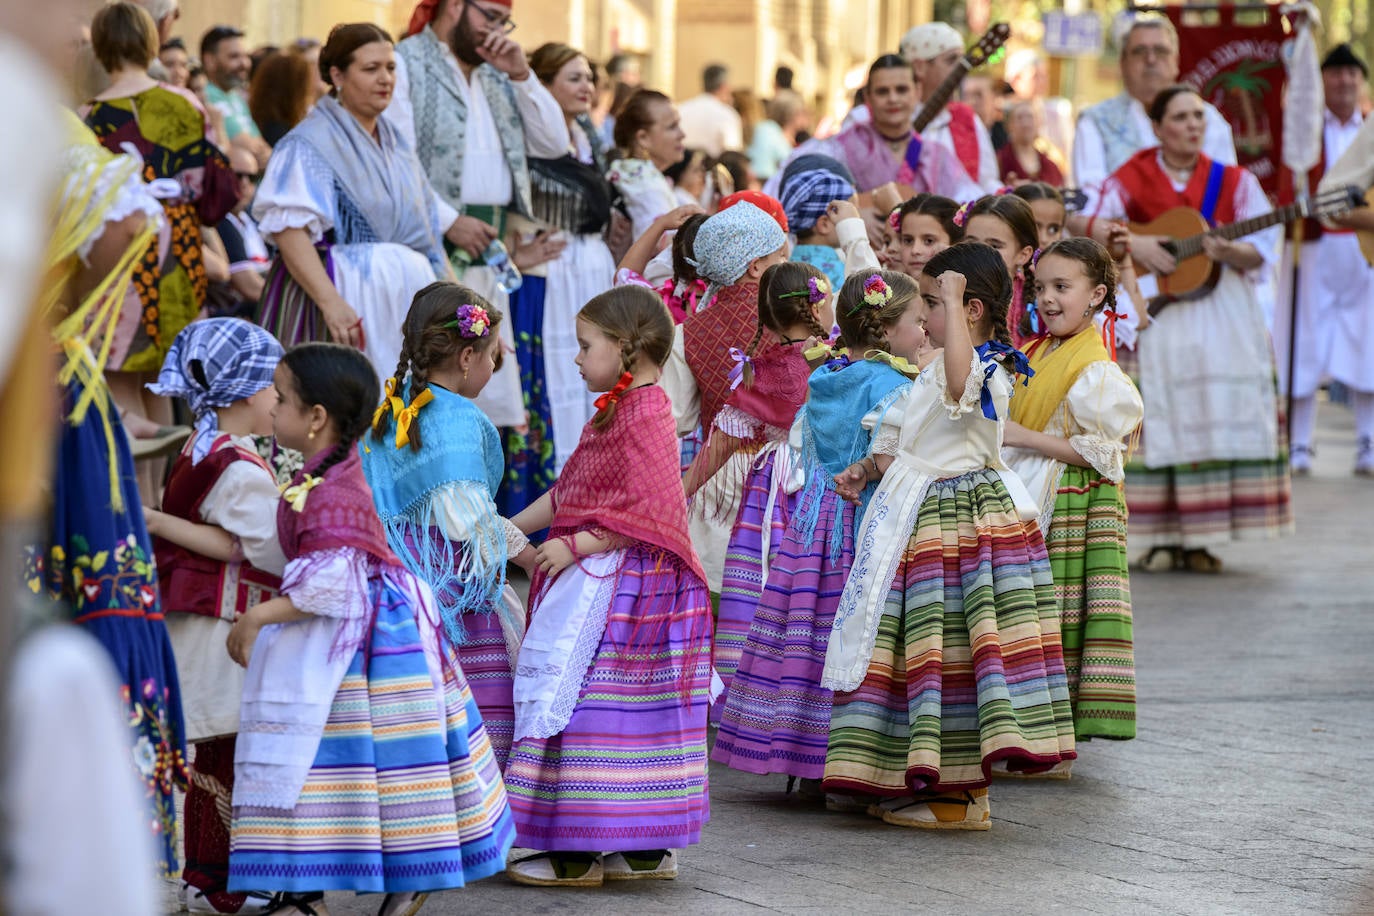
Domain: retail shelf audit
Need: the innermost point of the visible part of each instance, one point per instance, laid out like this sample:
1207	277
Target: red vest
192	583
963	133
1149	192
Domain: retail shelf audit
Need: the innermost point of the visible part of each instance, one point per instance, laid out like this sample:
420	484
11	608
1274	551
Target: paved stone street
1246	792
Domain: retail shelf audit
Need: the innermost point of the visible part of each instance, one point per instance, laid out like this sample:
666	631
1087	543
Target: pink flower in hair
470	321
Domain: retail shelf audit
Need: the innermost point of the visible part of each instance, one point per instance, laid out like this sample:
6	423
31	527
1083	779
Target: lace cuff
329	583
1105	455
515	538
973	389
887	441
282	218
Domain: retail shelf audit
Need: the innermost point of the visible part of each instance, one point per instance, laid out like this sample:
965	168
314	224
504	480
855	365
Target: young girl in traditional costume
1066	440
1047	206
608	772
925	226
434	462
362	762
947	560
768	386
731	251
777	715
217	556
1007	223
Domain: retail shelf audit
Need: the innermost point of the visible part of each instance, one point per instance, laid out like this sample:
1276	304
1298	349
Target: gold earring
465	375
310	435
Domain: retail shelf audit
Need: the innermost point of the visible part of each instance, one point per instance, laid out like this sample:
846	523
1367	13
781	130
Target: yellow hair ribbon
406	415
389	403
896	362
819	351
295	495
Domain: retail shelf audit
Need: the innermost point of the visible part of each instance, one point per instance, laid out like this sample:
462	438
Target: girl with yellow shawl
1066	439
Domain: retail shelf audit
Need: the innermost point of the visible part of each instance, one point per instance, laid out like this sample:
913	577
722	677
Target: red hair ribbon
1109	331
610	397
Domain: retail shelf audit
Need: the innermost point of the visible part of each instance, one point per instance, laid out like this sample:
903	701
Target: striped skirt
1087	548
777	716
628	771
1206	504
486	665
397	798
764	506
967	668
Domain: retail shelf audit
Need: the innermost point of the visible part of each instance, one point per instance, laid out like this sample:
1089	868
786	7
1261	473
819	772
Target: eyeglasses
497	21
254	177
1143	52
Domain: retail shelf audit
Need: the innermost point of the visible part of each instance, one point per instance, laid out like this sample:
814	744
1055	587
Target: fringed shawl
626	481
779	387
841	394
460	446
338	512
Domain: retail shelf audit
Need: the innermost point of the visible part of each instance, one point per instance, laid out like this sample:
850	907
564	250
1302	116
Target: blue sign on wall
1076	35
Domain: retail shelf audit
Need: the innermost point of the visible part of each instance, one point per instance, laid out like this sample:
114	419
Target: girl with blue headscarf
217	555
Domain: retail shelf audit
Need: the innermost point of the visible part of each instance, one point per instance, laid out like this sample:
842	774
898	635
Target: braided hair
638	320
428	343
985	279
784	301
864	327
343	382
683	271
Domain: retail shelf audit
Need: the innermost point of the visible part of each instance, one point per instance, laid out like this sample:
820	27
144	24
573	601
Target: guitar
1196	274
974	57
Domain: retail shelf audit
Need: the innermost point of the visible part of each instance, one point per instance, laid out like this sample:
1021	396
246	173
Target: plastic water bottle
507	274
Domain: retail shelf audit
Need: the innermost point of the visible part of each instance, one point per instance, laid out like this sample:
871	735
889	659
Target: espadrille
947	811
1061	770
551	869
617	866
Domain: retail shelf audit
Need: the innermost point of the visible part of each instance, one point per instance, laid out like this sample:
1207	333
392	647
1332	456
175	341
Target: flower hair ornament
471	322
817	288
961	215
894	220
876	295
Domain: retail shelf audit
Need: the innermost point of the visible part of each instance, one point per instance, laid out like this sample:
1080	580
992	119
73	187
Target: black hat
816	161
1343	56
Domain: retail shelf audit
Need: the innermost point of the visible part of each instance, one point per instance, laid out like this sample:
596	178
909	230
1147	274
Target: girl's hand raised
952	284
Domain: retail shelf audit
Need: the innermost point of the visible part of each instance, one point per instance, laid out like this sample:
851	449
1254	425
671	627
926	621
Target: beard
463	45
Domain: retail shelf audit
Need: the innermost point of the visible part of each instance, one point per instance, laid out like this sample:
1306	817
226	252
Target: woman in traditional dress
98	560
358	229
1212	468
196	185
572	202
649	135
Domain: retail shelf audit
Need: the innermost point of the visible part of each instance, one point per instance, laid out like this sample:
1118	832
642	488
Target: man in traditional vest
469	104
1335	308
1111	132
933	50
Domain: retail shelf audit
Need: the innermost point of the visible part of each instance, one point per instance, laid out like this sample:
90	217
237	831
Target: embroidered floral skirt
100	563
529	452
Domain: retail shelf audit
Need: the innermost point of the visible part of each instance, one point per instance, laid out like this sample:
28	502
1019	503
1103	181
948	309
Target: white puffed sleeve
1104	409
466	513
998	382
244	503
297	192
885	424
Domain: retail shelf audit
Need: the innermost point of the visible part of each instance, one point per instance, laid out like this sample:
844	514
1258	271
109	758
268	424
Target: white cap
926	42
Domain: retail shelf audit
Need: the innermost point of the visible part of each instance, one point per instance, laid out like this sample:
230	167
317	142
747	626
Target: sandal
406	903
557	869
306	904
1161	559
953	811
1201	561
654	864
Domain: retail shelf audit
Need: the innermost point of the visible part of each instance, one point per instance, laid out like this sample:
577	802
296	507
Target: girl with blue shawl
434	483
777	715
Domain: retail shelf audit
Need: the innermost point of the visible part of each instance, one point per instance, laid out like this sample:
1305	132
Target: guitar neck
937	102
1192	245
